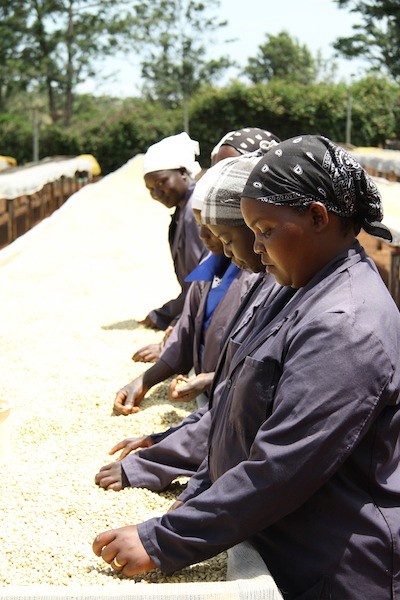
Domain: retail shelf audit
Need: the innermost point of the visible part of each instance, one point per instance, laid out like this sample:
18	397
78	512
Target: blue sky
316	23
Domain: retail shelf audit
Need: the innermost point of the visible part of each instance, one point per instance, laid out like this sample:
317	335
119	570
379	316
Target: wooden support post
12	234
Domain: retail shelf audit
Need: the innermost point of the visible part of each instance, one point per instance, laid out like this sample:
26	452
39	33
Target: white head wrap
198	193
173	152
205	182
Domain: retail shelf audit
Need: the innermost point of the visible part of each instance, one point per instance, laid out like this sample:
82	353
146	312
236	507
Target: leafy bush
114	130
16	137
290	109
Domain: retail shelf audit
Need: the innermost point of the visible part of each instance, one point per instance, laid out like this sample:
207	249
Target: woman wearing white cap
169	171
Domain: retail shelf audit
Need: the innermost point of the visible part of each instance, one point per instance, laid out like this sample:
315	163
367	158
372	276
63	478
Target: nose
258	246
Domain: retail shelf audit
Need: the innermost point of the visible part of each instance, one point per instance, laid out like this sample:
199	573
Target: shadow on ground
130	324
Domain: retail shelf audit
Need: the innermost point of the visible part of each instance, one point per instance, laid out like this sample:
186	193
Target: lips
266	264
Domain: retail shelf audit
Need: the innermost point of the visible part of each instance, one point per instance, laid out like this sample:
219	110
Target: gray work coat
187	250
304	444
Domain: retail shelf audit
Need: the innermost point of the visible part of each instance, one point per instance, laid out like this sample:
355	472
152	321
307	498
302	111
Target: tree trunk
185	106
69	98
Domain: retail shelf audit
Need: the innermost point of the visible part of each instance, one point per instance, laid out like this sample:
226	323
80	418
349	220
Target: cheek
178	187
287	252
207	235
243	251
245	244
278	254
168	190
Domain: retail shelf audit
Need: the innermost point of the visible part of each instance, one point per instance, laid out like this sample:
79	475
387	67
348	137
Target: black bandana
311	168
245	140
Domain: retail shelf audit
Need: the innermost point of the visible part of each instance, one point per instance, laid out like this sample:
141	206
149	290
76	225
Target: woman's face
168	187
238	246
283	239
211	242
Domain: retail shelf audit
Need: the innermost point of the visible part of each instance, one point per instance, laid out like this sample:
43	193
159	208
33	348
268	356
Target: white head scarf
205	182
199	192
173	152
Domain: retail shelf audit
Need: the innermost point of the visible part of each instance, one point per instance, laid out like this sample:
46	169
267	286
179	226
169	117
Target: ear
319	216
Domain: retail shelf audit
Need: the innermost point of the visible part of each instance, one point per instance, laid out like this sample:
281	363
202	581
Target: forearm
157	373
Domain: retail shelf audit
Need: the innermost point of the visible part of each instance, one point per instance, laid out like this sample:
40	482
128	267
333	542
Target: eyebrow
253	223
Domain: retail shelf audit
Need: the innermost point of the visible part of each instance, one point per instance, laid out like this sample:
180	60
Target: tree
283	57
12	41
172	37
58	42
375	110
377	37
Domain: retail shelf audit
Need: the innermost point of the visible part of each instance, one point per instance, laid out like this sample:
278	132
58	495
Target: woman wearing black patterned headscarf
304	455
308	169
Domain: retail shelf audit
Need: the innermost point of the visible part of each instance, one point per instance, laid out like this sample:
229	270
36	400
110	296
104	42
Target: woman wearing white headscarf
169	170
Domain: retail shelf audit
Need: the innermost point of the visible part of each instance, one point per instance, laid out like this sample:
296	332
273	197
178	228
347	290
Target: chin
256	268
285	282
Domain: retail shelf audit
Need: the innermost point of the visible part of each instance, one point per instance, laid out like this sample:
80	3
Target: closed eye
266	232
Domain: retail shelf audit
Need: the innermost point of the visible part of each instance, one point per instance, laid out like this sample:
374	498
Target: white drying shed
72	290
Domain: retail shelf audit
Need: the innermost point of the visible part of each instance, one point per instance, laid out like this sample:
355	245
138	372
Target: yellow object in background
6	162
96	170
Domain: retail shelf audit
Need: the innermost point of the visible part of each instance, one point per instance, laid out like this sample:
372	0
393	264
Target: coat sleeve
189	250
178	453
178	350
199	482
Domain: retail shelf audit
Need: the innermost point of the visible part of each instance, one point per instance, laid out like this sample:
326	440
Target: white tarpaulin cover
380	159
32	179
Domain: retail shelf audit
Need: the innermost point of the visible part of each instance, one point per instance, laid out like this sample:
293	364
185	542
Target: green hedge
115	130
288	110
